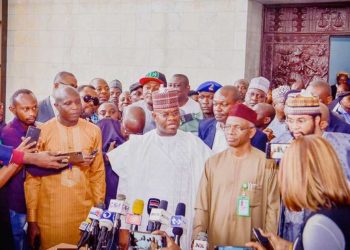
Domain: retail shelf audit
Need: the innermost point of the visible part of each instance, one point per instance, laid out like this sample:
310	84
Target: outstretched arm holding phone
25	153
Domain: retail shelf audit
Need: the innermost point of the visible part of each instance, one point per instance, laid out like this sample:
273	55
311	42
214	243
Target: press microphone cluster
158	216
101	229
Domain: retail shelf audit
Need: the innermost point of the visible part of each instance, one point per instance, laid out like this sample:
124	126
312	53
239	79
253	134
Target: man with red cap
165	163
238	189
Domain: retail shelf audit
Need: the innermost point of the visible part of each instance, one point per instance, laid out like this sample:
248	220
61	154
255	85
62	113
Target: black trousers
6	240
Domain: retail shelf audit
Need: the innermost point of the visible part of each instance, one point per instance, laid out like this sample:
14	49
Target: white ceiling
298	1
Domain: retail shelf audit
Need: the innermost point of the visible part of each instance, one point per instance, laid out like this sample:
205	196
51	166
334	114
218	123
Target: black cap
134	86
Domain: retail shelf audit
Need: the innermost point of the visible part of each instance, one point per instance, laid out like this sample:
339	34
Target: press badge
243	203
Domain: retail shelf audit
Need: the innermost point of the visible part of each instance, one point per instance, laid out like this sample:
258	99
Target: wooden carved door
296	41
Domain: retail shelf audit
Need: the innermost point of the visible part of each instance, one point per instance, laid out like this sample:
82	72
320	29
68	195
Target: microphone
179	215
159	216
94	214
178	221
152	203
85	229
164	206
135	219
106	225
88	226
201	243
120	207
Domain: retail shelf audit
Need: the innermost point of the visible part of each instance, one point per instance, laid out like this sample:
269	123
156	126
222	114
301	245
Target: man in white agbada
165	163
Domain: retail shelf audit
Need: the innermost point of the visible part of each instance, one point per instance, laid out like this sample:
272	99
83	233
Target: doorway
339	59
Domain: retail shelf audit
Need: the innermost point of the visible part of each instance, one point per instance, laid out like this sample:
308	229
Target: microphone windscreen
178	231
107	220
180	209
101	205
137	207
163	204
121	197
152	203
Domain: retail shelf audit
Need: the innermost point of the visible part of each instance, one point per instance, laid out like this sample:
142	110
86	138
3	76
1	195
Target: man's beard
294	136
303	134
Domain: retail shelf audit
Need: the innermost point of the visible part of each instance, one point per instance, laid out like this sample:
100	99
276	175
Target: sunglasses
89	98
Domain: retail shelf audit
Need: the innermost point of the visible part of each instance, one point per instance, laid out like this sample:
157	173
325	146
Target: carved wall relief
331	20
302	63
296	41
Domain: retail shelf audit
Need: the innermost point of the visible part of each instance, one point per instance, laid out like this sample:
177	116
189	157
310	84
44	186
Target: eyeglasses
235	128
89	98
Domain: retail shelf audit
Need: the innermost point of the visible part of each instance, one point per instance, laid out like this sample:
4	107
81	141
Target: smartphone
74	157
276	150
33	133
232	248
262	239
144	240
186	118
93	153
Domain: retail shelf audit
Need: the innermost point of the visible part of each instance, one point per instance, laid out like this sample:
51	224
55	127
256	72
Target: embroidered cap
165	98
260	83
278	94
302	103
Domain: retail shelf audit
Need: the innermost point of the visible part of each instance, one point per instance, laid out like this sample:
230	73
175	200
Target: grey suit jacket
45	111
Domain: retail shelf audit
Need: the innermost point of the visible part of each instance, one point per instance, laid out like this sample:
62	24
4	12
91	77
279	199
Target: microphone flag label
157	214
200	245
95	213
133	219
106	214
177	221
118	206
84	225
154	203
